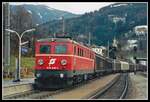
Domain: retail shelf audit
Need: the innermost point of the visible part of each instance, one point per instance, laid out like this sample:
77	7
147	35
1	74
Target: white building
116	19
131	44
141	30
143	62
100	50
115	42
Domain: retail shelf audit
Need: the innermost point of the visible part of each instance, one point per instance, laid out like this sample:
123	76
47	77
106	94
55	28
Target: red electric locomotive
61	62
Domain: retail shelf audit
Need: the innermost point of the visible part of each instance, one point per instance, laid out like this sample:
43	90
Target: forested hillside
104	24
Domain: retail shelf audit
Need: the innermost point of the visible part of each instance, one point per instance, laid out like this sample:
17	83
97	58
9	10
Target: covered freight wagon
116	66
124	66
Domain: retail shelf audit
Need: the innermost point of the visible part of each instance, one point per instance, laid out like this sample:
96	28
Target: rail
108	91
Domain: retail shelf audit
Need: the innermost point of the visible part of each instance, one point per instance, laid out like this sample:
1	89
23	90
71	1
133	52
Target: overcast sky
74	7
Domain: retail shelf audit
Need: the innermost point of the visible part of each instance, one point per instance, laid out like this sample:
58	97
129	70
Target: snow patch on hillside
29	11
50	8
40	15
118	5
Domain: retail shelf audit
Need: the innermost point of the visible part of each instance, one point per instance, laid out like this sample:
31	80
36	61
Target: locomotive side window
75	50
60	49
44	49
81	52
78	52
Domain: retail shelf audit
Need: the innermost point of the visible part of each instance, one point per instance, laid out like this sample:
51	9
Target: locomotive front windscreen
45	49
60	49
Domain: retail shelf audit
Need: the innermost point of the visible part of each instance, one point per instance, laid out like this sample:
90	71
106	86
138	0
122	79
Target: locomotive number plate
52	68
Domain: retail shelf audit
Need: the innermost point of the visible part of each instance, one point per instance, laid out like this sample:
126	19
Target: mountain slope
104	24
41	14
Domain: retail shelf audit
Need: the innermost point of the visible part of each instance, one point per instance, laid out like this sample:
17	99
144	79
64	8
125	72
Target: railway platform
10	87
22	81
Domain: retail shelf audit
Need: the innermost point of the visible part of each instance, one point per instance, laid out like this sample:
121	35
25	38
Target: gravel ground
85	90
138	87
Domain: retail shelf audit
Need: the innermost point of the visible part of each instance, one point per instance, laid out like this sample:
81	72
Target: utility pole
54	35
89	39
6	17
63	28
108	50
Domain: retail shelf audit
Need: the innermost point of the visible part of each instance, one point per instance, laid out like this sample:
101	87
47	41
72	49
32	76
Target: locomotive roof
59	40
54	39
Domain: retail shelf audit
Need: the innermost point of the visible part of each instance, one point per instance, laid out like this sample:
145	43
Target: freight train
61	62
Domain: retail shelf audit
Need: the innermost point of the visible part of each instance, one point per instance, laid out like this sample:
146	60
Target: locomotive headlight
40	61
38	74
61	75
63	62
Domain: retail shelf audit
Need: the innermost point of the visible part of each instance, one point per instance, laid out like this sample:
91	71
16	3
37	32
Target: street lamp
19	36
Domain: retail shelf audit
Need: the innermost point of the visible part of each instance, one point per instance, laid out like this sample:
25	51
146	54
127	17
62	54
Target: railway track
33	94
37	94
21	95
115	90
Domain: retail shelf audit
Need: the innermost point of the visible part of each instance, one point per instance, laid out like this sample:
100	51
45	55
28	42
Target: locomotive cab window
44	49
60	49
